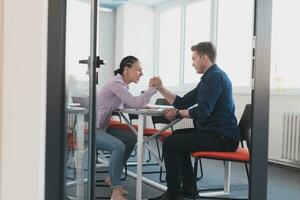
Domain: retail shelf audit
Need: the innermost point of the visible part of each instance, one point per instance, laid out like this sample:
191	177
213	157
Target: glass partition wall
284	120
77	98
211	26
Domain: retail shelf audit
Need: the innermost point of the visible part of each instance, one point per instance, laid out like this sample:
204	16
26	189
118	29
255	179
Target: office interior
160	34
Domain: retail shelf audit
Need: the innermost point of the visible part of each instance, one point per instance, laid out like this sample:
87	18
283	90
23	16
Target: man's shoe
190	192
168	195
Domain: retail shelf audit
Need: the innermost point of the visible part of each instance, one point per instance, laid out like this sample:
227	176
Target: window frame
213	37
183	4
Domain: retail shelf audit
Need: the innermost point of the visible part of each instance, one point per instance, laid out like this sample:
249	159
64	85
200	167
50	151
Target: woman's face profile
135	72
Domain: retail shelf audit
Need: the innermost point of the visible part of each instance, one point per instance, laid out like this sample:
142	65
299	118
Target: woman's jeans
127	137
120	143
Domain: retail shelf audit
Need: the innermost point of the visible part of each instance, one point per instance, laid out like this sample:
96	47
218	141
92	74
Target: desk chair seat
116	124
147	131
71	141
152	131
242	154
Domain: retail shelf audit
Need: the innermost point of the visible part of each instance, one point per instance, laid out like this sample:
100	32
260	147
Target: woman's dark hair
126	62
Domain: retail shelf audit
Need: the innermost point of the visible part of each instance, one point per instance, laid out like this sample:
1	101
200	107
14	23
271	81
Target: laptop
83	101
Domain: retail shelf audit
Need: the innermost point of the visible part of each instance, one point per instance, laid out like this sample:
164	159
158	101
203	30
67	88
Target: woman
113	95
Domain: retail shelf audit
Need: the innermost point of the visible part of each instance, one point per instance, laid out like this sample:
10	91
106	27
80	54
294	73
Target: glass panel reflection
77	94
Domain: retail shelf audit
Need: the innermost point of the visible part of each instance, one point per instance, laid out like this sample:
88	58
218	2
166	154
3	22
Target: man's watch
177	116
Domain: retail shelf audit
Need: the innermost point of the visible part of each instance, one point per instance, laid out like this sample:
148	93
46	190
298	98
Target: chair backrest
114	113
245	125
133	117
159	119
83	101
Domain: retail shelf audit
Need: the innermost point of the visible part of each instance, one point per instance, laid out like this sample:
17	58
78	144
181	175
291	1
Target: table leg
79	157
140	157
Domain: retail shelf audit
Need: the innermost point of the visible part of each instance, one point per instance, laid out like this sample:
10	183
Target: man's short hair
207	48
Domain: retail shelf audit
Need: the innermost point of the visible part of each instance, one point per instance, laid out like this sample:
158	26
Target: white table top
76	109
144	111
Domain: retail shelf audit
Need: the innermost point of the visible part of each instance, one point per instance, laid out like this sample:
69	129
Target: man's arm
210	93
180	102
157	83
172	114
184	113
170	97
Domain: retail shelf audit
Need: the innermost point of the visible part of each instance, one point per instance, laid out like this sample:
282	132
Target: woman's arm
121	90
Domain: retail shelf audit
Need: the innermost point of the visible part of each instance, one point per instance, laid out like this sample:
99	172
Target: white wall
135	36
278	105
77	38
106	44
23	99
78	45
1	78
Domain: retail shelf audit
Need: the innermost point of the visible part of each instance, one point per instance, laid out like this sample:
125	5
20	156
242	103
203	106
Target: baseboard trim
285	164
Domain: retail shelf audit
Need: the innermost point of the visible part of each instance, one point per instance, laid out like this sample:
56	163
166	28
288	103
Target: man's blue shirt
215	108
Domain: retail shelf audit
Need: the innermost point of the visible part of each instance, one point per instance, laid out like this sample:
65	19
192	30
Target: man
211	107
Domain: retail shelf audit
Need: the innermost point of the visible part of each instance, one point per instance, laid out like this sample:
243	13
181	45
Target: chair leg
158	149
71	153
227	172
226	188
160	175
149	156
201	170
195	174
247	171
161	172
125	173
161	158
134	153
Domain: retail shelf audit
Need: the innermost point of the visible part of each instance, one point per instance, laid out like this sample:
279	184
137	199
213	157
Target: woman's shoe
117	194
118	198
108	182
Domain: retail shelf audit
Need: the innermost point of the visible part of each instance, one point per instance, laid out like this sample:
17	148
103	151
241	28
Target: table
77	114
141	144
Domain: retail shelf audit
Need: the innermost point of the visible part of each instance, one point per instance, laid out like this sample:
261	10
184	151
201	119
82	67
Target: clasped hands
156	82
170	114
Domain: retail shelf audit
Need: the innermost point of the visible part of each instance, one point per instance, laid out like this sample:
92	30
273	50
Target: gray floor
283	182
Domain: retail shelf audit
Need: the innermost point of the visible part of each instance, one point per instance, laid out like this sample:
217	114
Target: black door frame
55	116
55	110
260	99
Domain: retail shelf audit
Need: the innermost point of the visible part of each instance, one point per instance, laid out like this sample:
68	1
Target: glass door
77	98
80	66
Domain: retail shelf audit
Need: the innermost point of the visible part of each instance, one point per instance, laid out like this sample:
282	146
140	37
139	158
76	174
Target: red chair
242	155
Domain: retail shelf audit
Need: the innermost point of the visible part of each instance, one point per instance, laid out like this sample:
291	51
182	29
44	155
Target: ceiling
115	3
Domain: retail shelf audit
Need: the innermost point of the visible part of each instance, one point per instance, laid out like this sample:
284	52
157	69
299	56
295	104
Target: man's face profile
198	62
